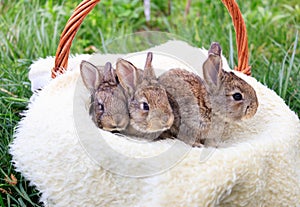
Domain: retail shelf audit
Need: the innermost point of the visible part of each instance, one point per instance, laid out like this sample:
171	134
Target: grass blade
284	92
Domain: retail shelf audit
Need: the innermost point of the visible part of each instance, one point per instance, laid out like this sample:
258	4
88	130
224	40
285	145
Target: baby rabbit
149	109
108	107
206	106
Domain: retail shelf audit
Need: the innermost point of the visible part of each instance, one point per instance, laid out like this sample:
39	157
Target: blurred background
31	29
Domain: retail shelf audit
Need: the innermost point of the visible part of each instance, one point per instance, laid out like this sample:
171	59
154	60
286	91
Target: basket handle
240	36
68	34
80	12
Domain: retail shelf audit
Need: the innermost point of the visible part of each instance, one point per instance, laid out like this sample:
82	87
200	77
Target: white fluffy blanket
72	163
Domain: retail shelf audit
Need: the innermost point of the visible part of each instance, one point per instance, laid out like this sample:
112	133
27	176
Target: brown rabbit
108	107
206	106
149	109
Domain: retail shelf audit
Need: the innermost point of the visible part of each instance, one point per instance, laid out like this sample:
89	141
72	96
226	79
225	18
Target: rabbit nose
120	121
167	120
250	111
162	122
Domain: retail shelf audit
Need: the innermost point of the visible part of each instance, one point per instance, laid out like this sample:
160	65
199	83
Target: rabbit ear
90	75
127	74
212	67
148	69
109	73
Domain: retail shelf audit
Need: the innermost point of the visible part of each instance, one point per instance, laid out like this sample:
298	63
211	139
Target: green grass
31	29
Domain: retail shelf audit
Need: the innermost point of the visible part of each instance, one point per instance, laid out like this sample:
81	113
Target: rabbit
108	107
149	109
206	106
190	103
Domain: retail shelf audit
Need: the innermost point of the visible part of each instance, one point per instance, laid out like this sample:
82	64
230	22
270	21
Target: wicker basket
261	167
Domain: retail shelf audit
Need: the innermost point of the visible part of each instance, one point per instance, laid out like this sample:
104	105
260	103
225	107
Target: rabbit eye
237	96
144	106
101	107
